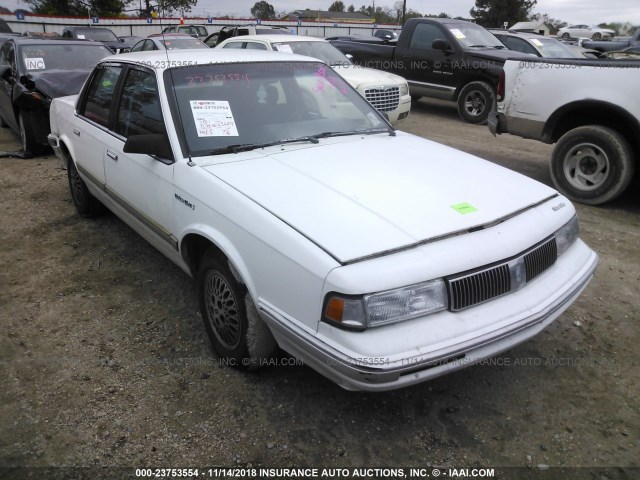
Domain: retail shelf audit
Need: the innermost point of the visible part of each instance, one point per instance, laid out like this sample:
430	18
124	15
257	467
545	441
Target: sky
570	11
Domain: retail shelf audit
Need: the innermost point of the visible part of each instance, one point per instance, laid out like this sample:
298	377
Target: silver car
585	31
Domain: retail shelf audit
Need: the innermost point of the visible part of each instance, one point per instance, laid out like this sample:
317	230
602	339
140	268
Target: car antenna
191	163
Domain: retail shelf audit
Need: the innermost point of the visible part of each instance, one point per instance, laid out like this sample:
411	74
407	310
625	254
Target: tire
237	333
27	137
475	101
596	36
592	164
86	204
566	36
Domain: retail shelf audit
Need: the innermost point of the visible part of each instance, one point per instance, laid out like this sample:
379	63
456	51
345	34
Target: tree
105	8
263	10
351	8
337	6
493	13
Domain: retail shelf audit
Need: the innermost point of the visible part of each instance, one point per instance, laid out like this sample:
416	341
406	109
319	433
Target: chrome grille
541	258
472	288
479	287
383	99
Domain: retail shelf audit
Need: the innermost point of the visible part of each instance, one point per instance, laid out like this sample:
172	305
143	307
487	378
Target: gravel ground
104	360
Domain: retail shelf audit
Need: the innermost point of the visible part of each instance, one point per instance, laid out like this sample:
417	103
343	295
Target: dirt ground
104	360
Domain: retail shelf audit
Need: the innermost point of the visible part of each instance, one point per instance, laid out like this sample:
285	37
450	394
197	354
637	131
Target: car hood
59	83
357	76
358	197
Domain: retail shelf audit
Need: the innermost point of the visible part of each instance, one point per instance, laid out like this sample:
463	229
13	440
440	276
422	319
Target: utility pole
404	10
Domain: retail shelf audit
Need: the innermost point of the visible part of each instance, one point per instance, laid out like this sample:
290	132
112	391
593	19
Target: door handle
112	155
77	132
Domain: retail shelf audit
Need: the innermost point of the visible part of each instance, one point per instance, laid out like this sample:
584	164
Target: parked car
242	30
50	35
97	34
440	58
588	108
197	31
386	34
376	257
387	92
614	45
535	44
32	73
172	41
587	31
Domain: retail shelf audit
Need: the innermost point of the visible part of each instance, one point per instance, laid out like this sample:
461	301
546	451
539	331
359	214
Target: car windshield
552	48
321	50
235	107
48	56
97	35
470	35
182	43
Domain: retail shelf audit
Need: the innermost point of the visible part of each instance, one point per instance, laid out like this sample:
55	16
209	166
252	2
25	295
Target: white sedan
378	258
388	92
585	31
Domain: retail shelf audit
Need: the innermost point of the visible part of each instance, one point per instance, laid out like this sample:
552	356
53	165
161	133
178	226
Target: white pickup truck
590	109
378	258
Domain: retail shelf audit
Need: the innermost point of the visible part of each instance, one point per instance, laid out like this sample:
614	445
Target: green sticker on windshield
464	208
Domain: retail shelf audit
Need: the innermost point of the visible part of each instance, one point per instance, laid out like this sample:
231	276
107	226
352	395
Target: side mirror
443	45
156	144
349	57
121	40
5	72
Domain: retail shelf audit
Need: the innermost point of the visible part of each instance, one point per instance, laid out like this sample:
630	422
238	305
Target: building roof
324	14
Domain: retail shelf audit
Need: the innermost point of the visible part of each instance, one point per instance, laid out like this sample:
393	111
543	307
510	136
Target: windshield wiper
244	147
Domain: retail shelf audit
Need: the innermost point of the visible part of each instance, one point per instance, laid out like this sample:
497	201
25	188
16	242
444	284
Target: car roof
162	59
275	38
50	41
515	33
170	35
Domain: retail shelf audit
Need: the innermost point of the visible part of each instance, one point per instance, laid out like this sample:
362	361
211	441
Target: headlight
567	235
404	89
387	307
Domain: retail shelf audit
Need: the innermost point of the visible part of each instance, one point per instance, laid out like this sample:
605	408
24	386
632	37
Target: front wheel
596	36
27	136
566	36
238	335
475	101
592	164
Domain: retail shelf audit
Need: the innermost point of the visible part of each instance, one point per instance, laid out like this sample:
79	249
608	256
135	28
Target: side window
255	46
99	98
243	31
201	31
233	45
139	111
138	46
519	45
7	56
424	35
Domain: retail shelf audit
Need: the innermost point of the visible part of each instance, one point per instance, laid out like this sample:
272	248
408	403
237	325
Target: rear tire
86	204
592	164
237	333
475	101
566	36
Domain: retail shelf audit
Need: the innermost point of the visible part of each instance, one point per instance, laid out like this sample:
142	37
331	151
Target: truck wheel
592	164
475	101
566	36
238	334
86	204
596	36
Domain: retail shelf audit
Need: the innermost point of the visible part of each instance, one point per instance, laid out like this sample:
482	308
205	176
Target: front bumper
515	318
54	142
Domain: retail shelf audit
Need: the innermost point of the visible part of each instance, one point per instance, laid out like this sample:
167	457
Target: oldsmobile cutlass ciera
378	258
